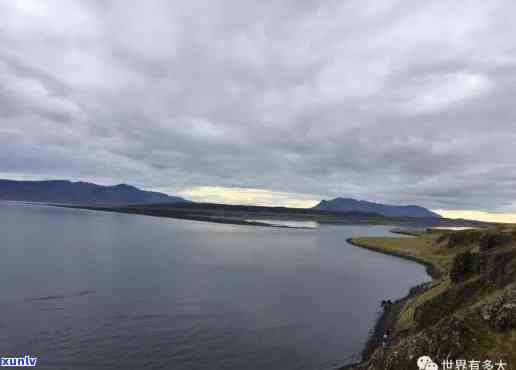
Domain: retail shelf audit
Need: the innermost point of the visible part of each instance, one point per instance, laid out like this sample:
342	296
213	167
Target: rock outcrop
446	303
463	265
444	340
490	241
501	313
464	238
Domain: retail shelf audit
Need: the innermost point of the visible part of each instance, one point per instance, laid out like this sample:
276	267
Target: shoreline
434	272
389	315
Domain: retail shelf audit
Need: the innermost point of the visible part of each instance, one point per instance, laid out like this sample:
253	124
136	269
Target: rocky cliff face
485	240
444	340
453	337
474	317
500	314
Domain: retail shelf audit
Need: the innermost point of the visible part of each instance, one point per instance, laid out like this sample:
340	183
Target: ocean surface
95	290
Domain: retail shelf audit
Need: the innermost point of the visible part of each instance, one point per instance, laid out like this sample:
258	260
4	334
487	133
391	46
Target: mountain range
64	191
353	205
85	193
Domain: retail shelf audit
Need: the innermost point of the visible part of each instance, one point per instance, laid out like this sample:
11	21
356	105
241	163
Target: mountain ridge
340	204
80	192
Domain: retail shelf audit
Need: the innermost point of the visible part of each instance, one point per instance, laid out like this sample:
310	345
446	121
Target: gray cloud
400	101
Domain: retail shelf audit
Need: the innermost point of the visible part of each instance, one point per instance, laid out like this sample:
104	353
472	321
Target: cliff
467	312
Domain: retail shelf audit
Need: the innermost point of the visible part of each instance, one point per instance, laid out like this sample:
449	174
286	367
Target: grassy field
424	248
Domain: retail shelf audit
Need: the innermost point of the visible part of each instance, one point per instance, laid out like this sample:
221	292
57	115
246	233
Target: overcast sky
272	102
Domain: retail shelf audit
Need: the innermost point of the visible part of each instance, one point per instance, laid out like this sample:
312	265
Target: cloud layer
402	102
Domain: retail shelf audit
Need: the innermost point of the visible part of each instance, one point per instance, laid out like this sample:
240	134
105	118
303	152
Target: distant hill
63	191
353	205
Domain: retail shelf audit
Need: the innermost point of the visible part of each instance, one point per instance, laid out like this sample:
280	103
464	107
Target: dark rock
462	266
464	238
447	302
501	268
490	241
501	313
444	340
442	238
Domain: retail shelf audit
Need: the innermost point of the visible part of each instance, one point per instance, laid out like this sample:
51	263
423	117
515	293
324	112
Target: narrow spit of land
467	312
243	215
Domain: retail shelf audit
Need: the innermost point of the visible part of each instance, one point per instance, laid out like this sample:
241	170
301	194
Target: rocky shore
385	323
468	310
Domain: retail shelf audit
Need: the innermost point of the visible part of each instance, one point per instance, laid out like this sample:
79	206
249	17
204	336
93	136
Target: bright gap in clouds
249	196
478	215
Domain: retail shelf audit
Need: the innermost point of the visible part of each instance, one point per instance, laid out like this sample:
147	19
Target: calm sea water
91	290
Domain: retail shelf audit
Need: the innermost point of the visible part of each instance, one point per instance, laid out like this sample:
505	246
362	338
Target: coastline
388	317
434	272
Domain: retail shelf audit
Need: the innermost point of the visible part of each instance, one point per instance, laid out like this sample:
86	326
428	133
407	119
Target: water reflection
288	223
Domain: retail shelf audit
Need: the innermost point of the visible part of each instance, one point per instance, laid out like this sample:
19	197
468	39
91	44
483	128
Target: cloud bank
398	101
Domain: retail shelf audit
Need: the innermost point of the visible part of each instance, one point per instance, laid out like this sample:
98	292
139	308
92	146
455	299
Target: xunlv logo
26	361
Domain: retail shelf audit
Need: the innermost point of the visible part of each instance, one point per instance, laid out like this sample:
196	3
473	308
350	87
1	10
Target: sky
266	102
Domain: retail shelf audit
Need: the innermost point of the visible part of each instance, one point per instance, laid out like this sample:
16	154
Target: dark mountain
63	191
353	205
